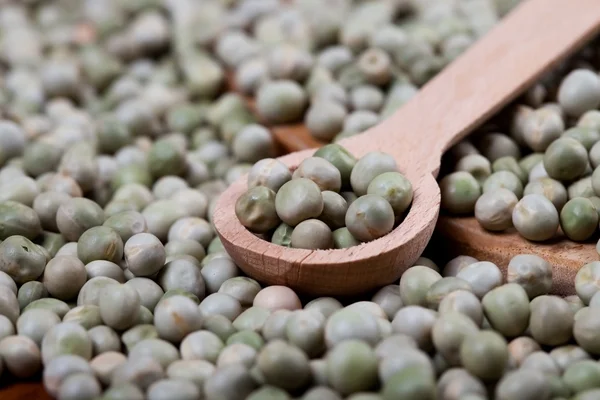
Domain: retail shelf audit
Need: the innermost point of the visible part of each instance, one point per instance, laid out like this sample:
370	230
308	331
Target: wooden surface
31	390
456	236
491	73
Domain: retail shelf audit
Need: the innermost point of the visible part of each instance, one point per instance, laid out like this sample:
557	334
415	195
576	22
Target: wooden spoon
491	73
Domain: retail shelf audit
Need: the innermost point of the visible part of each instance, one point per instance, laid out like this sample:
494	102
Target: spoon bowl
494	71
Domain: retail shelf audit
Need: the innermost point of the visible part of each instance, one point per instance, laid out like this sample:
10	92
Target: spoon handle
490	74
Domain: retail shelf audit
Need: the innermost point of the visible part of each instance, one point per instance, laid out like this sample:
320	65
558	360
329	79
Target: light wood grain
495	70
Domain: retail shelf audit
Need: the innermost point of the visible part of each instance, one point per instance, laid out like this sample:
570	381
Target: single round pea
531	272
20	355
312	234
269	172
175	317
165	158
460	192
483	276
535	218
368	167
281	101
485	355
185	247
182	274
551	320
35	323
395	188
217	271
370	217
324	305
105	268
100	243
66	338
283	365
321	172
76	216
64	277
325	119
541	127
493	210
21	259
507	309
579	219
579	92
523	384
298	200
45	205
277	297
144	254
282	235
342	238
587	281
220	304
565	159
119	306
202	345
347	324
341	158
256	209
253	143
18	219
584	328
351	367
